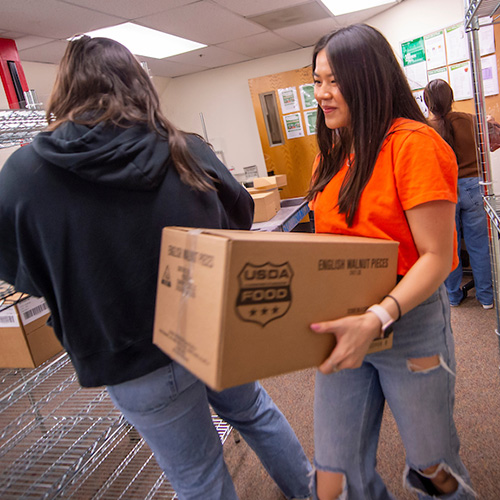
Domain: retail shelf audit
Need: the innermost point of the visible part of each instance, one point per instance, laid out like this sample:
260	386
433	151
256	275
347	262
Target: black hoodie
81	214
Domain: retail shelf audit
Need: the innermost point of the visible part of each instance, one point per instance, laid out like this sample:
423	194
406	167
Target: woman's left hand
354	334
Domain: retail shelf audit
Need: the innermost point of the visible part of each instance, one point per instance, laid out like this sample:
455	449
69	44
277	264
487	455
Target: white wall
412	18
41	78
223	96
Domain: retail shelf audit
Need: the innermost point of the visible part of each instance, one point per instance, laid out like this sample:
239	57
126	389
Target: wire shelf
58	440
19	126
8	296
482	8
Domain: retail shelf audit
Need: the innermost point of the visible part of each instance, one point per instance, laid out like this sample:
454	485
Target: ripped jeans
349	405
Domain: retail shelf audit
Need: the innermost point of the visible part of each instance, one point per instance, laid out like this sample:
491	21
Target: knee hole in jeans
436	481
330	485
442	480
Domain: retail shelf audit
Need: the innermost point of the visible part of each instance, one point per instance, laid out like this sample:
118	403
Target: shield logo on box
264	292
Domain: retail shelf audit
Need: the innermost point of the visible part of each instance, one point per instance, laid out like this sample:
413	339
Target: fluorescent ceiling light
339	7
147	42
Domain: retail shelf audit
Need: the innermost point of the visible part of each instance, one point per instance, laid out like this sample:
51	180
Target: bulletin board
445	54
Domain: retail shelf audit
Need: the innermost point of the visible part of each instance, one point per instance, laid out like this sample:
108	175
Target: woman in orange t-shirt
383	172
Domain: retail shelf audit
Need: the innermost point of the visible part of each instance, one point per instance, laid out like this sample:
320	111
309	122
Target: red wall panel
8	52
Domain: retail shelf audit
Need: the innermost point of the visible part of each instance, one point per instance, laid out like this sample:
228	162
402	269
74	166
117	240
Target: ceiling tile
291	16
171	69
51	52
13	35
309	33
362	15
255	7
203	22
261	45
129	9
26	42
51	18
210	57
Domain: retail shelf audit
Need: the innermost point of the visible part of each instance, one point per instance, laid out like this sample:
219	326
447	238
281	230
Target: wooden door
296	155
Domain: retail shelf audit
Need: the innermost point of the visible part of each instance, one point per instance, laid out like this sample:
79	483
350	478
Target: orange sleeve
425	170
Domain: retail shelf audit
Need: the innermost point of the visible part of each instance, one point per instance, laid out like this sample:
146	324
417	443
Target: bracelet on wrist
385	318
397	305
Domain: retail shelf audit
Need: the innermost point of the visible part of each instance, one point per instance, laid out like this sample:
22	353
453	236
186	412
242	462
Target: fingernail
316	327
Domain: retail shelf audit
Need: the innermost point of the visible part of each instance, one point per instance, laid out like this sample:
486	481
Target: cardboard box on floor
235	306
26	340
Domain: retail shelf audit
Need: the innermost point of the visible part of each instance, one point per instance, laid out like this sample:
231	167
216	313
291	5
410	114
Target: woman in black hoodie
81	214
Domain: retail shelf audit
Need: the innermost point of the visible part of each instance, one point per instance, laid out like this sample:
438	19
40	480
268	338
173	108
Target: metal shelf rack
19	126
474	9
58	440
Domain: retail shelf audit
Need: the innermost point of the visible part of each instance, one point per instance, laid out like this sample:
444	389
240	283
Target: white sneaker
487	306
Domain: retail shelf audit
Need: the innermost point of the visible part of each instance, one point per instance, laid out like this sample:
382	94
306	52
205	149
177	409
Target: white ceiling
228	27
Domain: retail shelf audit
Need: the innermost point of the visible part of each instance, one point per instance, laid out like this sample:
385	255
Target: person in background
383	172
457	129
81	214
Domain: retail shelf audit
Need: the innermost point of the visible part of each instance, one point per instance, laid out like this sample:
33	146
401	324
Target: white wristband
385	318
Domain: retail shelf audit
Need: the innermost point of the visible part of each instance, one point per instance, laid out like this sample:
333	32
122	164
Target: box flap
265	236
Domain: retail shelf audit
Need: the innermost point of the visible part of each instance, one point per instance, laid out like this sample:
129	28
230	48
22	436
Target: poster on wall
414	63
486	36
435	51
307	96
293	126
456	43
419	97
288	99
460	81
441	73
310	118
490	74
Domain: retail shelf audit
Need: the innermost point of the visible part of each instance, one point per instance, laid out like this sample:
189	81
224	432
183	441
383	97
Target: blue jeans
170	409
470	219
349	405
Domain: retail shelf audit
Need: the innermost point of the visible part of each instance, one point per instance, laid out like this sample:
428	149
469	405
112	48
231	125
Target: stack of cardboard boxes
265	193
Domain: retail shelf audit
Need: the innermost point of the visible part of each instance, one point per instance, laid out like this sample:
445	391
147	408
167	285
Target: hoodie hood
129	158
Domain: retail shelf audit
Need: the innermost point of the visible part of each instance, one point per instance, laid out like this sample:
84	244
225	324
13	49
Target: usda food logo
264	292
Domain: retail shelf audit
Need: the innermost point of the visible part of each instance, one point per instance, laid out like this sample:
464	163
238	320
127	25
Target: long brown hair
438	97
100	81
376	92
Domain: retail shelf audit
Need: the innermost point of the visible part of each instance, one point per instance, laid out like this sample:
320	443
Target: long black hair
100	81
376	92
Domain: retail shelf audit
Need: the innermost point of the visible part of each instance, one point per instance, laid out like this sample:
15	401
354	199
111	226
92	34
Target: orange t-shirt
414	166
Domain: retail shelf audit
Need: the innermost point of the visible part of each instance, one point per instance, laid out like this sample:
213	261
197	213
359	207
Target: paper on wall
293	126
288	100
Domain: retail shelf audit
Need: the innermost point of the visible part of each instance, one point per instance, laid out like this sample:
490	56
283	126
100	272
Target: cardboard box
235	306
26	340
266	206
278	180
